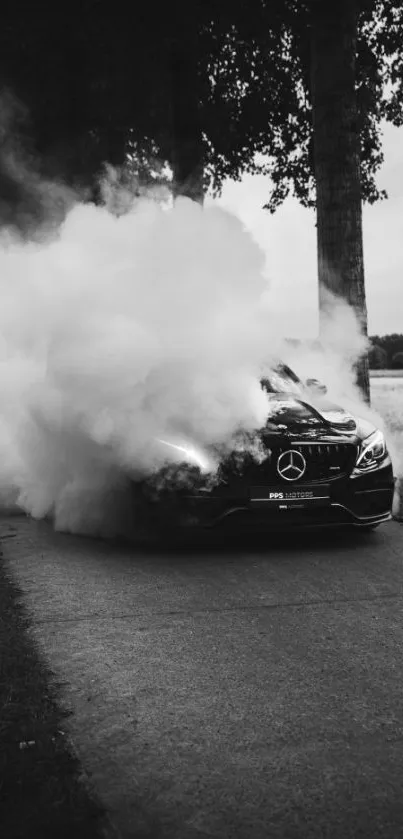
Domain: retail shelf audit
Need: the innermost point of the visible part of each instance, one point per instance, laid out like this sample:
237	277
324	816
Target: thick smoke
121	331
127	329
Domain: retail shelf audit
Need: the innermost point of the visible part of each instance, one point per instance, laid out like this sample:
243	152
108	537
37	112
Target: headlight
191	455
372	451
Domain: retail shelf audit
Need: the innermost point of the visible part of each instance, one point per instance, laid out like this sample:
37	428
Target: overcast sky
289	241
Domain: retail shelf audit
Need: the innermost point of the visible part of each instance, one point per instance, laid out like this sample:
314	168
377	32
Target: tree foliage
267	88
386	351
397	361
377	358
97	78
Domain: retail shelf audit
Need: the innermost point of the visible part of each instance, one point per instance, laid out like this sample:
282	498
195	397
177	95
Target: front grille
324	462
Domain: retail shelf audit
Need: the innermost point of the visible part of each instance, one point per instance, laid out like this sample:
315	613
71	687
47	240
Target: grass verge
41	791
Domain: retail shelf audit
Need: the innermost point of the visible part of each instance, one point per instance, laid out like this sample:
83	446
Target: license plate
281	498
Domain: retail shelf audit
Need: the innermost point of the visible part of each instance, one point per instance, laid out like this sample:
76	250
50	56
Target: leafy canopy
97	82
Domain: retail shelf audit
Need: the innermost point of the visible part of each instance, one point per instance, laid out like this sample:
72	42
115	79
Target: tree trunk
187	141
337	163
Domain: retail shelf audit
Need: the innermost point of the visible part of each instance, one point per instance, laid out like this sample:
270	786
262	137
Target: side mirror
316	386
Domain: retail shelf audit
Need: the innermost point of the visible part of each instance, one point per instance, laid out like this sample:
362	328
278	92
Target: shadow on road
224	543
272	544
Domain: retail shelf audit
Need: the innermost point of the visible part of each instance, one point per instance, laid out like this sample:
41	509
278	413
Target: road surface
248	693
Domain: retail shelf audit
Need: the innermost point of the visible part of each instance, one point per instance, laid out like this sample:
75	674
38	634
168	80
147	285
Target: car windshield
282	379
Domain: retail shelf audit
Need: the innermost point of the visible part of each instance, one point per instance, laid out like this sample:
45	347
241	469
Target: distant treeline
386	352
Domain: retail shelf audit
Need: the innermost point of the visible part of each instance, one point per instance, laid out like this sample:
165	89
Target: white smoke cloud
126	328
121	330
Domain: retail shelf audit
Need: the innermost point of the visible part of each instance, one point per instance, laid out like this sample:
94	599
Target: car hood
291	415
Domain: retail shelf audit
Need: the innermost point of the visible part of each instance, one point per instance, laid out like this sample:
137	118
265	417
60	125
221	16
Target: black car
313	464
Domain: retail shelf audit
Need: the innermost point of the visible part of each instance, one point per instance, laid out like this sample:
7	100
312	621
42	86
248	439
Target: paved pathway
251	693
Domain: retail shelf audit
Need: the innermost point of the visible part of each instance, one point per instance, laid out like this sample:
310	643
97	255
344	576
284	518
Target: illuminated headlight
191	455
372	451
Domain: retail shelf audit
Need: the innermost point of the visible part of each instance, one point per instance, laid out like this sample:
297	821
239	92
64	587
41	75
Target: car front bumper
363	501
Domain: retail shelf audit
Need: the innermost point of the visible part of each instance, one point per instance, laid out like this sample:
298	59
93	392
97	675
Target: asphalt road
251	693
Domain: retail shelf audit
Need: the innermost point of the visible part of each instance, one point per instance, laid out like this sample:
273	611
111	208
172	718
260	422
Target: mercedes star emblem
291	465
